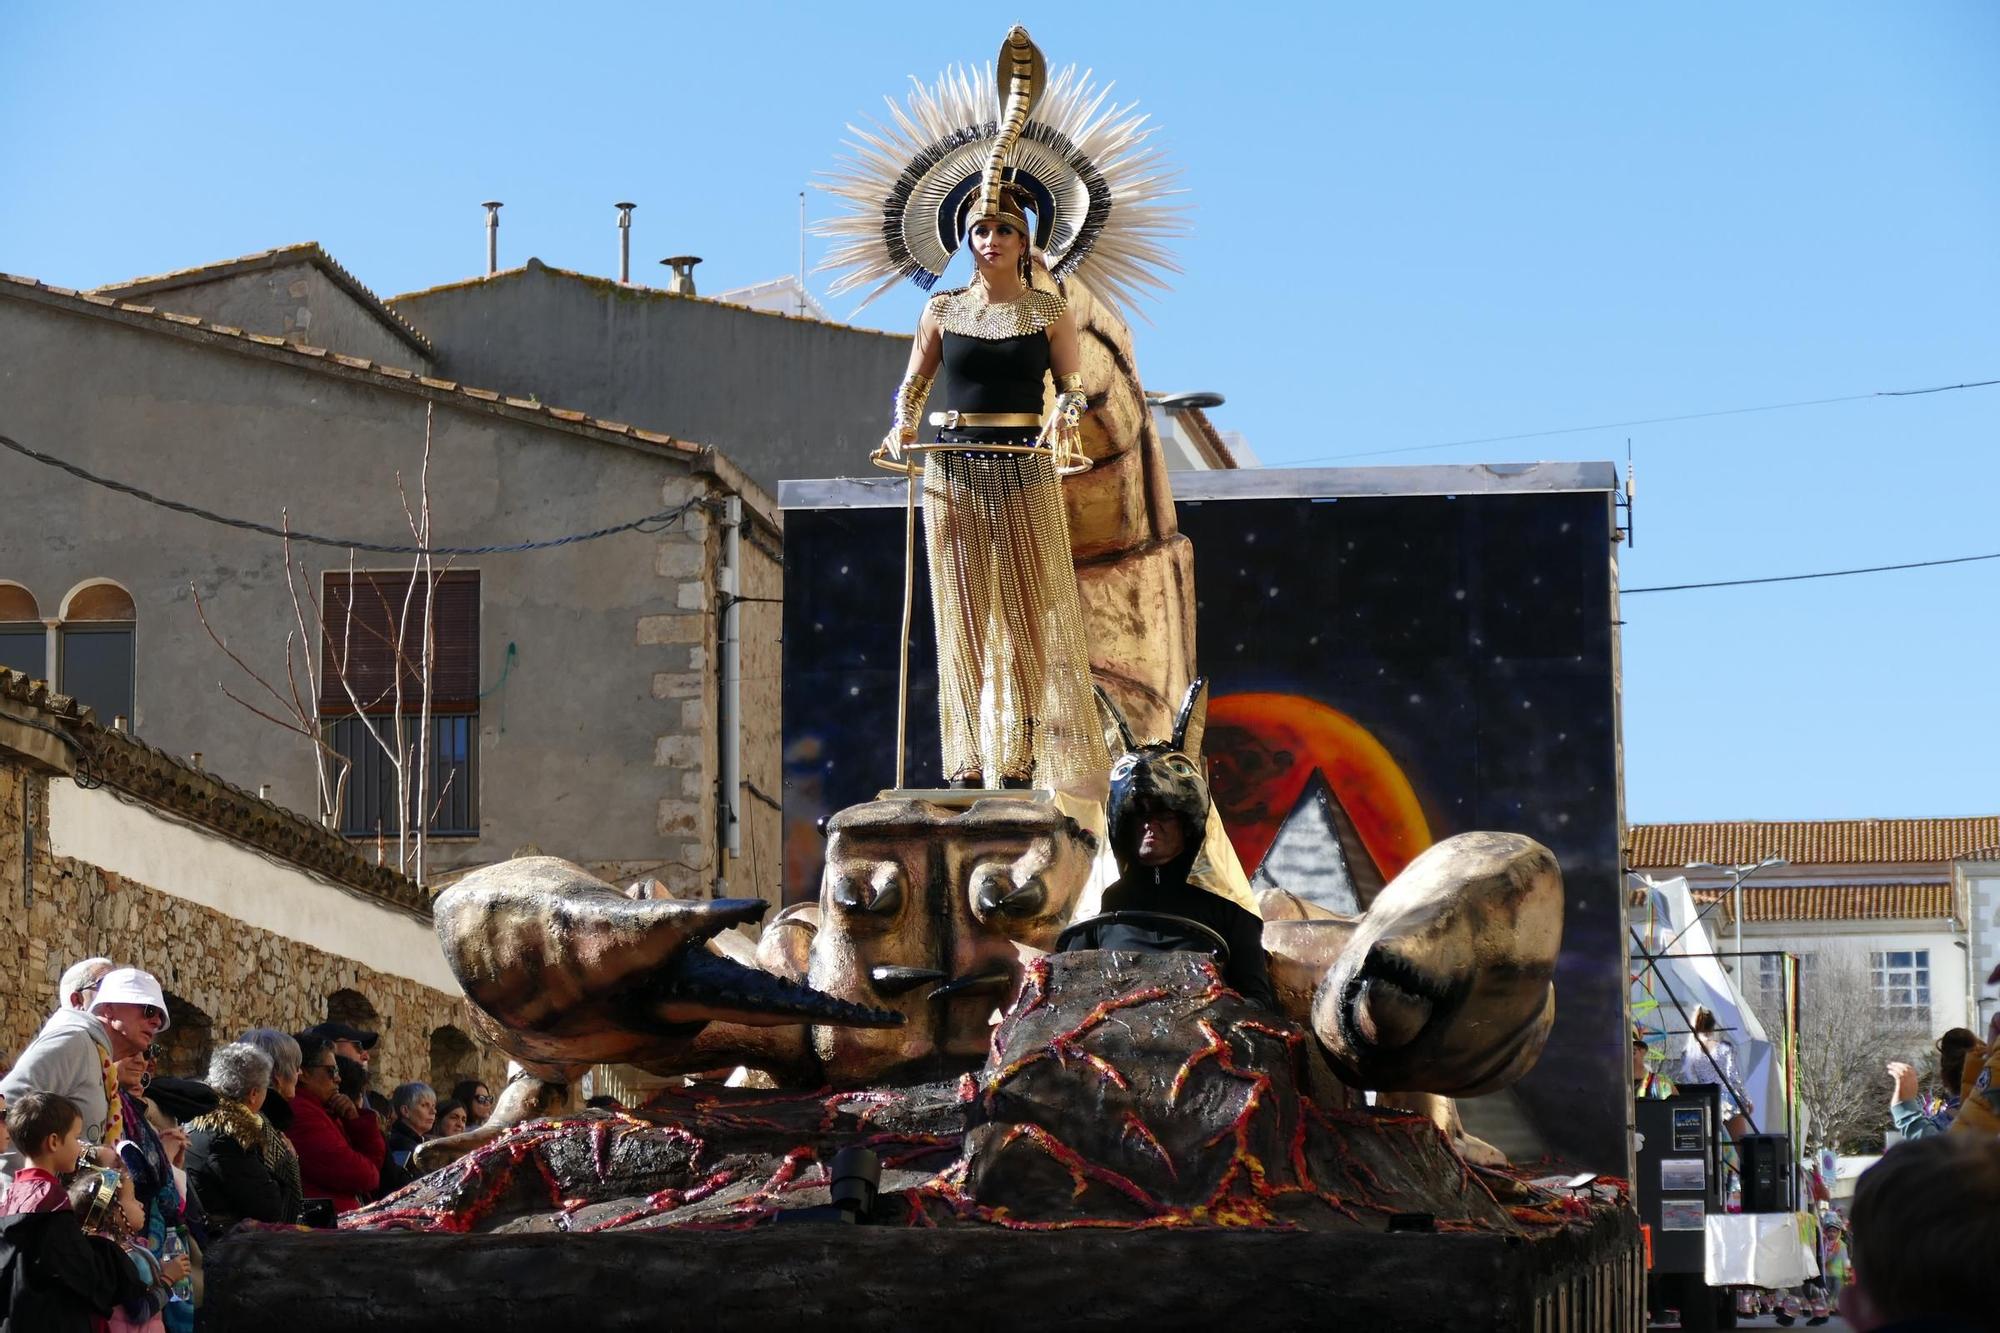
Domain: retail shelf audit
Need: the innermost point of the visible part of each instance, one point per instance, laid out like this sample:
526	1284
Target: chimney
625	241
492	207
682	283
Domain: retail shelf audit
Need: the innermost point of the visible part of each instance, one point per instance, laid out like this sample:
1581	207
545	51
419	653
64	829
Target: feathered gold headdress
956	153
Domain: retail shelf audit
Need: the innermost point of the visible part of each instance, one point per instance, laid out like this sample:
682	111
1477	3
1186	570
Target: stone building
583	686
249	915
782	395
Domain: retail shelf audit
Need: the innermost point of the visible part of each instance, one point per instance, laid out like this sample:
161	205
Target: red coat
338	1159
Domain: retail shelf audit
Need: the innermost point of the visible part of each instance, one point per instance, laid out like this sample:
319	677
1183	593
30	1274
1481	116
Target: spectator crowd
116	1177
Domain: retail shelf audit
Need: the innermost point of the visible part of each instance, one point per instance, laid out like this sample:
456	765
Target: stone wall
218	972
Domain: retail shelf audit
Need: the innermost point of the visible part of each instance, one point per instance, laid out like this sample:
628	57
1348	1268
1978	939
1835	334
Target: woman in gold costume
1014	698
1040	181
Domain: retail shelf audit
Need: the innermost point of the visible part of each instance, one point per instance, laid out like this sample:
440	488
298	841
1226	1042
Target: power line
1822	574
1650	421
651	523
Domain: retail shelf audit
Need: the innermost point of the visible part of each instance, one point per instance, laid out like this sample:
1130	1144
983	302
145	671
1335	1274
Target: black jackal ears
1118	737
1193	719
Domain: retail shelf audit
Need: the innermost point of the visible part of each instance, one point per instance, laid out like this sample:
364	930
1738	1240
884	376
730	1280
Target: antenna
1631	493
802	252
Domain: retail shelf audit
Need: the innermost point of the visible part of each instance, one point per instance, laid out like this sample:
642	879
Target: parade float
1037	1049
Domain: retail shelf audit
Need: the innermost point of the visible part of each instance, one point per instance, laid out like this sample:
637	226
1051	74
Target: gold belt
952	420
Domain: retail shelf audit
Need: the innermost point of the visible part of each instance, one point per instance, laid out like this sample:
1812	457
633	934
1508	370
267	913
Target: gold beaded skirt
1014	696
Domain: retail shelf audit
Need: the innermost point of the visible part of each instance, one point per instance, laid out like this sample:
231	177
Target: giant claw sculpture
563	971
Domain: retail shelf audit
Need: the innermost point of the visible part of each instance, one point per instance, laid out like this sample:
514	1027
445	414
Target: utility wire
1649	421
1822	574
651	523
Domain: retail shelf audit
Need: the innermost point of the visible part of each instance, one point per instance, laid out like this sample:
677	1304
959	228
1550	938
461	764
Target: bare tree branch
1845	1040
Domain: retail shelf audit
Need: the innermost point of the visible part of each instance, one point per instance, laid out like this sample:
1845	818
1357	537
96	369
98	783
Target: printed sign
1682	1215
1690	1129
1687	1174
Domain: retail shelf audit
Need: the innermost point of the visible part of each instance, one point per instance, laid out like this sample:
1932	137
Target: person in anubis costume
1158	811
1037	187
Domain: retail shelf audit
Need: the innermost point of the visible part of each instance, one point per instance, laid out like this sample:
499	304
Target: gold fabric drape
1014	697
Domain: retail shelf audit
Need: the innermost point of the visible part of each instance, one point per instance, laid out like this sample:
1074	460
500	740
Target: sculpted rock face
931	913
1134	569
1136	1088
1122	1090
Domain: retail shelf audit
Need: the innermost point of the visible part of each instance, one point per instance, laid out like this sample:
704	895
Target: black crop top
996	374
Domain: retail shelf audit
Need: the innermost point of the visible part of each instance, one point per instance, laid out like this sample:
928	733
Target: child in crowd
53	1276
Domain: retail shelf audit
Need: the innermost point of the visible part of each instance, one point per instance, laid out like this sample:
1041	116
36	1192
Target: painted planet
1262	750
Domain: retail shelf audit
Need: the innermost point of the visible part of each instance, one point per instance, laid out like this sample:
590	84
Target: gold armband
1070	399
907	413
1064	433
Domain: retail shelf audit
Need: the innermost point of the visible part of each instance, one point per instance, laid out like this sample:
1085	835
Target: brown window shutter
455	622
368	642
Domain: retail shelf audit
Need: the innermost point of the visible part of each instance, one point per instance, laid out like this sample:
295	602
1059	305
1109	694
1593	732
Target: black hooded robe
56	1279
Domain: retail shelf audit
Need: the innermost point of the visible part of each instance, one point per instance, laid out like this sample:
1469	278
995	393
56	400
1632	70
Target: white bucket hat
128	985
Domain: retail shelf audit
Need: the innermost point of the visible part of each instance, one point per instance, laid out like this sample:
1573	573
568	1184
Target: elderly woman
279	1155
226	1146
415	1106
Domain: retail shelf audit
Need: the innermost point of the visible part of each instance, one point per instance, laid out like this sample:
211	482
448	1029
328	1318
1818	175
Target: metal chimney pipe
625	241
682	283
492	207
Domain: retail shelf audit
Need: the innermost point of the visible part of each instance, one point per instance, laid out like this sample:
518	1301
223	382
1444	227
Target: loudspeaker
1768	1176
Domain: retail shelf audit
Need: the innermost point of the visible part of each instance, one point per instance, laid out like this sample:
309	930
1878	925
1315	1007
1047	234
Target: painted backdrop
1388	669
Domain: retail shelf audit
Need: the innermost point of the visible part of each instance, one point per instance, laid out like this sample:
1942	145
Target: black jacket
396	1169
1162	896
233	1180
56	1279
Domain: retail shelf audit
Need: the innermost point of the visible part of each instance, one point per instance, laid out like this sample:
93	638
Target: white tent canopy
1686	968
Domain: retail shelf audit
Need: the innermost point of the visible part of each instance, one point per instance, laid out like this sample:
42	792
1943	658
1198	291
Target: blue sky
1412	224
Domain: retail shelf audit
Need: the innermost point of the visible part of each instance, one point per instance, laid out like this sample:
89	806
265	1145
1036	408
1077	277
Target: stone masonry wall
214	968
684	680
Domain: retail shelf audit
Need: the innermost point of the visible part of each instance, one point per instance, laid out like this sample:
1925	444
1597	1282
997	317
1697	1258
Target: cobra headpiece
1075	172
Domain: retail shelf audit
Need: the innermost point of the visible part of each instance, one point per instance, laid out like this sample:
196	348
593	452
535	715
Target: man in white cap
75	1053
79	983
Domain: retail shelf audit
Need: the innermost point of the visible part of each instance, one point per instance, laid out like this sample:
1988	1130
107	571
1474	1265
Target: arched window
453	1057
354	1009
188	1041
95	664
24	640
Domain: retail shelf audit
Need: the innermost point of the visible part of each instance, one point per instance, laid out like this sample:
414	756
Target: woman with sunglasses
150	1164
471	1093
340	1147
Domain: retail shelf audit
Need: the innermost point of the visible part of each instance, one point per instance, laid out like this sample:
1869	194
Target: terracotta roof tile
1837	902
1812	842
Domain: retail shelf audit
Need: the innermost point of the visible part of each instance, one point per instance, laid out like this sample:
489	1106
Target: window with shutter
372	638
